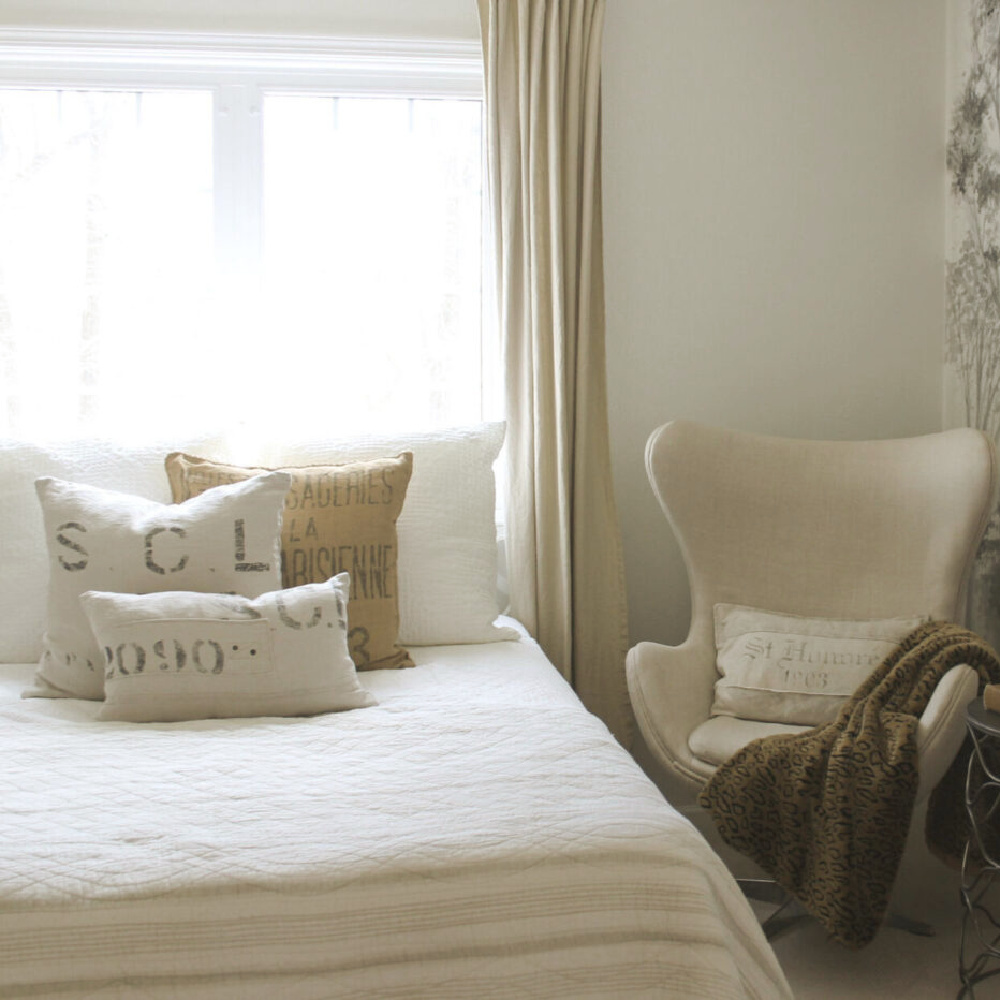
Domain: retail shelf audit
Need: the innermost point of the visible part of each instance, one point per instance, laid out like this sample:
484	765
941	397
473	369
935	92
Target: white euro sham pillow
786	668
226	540
447	569
24	572
177	656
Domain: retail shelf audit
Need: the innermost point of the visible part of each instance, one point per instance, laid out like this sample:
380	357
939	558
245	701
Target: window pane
372	266
105	257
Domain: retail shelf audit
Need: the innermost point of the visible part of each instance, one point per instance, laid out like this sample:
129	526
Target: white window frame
238	69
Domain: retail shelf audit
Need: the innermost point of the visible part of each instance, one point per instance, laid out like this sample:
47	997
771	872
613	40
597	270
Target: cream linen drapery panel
542	69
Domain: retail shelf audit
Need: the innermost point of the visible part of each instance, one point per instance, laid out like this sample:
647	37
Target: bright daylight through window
239	239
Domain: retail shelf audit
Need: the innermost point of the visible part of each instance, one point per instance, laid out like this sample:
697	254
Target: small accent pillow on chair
338	518
786	668
101	540
176	656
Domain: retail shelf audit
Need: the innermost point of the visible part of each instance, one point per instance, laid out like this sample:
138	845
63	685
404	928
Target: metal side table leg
979	954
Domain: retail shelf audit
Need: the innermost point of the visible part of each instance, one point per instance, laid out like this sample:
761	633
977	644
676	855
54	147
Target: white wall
774	234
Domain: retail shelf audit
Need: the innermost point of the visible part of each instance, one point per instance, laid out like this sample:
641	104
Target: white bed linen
477	834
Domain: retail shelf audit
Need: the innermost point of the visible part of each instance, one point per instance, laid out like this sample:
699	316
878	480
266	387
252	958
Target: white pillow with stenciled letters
786	668
24	571
226	540
176	656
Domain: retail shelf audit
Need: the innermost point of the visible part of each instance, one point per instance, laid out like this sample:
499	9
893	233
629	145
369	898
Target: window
199	236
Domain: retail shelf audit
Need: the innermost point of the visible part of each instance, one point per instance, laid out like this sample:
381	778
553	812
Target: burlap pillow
338	518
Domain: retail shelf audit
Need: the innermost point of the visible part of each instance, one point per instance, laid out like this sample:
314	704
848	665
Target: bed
475	834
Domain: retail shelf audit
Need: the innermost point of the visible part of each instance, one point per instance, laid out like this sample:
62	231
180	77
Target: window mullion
238	192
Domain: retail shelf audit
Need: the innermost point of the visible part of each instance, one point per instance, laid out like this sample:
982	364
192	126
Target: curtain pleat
542	70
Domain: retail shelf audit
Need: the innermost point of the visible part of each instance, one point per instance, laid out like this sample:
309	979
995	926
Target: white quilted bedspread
477	834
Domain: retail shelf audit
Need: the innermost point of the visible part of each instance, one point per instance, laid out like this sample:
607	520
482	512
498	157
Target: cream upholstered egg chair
823	529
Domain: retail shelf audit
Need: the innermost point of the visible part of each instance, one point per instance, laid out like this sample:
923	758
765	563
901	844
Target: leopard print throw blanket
826	812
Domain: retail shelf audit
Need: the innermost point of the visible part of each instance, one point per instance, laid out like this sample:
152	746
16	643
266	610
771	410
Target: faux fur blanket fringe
826	812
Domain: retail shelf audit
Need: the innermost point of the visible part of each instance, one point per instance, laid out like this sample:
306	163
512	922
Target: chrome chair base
790	911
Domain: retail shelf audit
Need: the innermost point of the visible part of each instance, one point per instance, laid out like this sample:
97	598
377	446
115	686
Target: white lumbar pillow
178	655
786	668
447	568
226	540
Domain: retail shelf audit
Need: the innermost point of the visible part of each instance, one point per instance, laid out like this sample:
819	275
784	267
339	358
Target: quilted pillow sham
226	540
177	656
24	571
338	518
447	528
786	668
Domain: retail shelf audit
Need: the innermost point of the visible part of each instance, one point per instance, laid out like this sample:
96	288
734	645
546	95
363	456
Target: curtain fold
542	61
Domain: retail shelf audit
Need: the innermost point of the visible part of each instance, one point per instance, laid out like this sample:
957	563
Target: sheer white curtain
542	72
238	236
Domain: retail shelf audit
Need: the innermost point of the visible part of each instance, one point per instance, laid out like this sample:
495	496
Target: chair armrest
671	689
942	728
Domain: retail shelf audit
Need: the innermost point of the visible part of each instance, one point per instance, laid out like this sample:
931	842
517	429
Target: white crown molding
365	64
